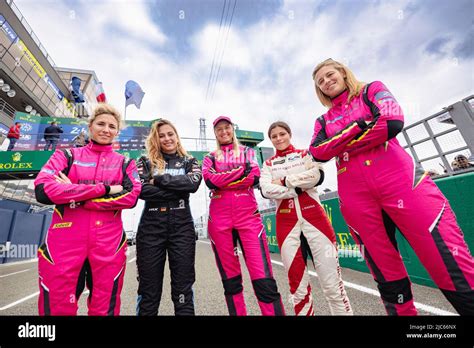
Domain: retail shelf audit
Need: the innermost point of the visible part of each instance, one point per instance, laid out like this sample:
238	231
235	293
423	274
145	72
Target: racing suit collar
286	151
227	147
340	98
168	156
94	146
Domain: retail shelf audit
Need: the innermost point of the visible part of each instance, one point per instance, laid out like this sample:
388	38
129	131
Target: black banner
343	331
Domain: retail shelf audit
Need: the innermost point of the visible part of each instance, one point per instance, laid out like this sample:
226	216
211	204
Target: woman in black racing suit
168	176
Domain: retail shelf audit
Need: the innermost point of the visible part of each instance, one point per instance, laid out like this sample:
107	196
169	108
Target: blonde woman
231	172
381	187
90	186
168	176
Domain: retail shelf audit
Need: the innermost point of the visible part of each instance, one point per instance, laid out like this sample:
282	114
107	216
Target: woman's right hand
115	189
61	178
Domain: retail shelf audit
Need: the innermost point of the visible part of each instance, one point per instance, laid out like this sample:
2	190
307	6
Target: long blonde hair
353	85
153	145
235	145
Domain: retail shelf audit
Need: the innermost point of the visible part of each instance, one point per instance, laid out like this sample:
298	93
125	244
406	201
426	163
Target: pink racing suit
234	216
303	229
381	188
85	241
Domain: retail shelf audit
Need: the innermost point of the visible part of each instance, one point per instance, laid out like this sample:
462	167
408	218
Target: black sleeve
153	193
144	169
188	182
150	192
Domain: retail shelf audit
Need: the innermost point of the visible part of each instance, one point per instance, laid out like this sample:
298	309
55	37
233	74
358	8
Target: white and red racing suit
303	229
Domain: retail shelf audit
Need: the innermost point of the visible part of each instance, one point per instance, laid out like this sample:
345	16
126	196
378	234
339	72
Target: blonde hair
153	145
235	146
353	85
104	108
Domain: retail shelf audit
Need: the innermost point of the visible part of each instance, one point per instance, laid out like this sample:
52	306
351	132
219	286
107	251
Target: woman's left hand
277	182
62	179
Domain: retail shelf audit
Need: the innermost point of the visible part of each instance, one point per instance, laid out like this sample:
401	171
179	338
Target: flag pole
125	113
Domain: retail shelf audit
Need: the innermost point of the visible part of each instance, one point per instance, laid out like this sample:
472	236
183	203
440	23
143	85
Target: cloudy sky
263	53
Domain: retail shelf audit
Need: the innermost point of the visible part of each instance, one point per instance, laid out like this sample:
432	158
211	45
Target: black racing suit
166	226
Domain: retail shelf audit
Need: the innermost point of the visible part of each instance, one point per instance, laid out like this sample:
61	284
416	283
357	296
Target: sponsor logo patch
291	159
337	118
84	164
110	166
174	172
135	176
62	225
384	96
342	170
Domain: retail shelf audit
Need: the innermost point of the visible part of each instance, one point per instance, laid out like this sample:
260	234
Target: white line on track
26	299
19	301
426	308
9	274
36	293
18	263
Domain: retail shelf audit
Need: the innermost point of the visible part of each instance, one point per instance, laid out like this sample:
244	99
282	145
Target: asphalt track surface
19	289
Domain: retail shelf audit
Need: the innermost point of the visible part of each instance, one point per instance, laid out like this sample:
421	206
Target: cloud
464	49
422	50
437	46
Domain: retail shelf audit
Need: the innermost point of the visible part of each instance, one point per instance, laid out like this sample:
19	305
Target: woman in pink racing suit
231	172
380	188
302	226
85	241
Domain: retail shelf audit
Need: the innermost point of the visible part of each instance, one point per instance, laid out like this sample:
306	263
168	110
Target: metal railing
30	31
460	116
7	108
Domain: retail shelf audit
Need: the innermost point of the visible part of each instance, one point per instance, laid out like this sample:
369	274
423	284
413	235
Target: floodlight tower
202	135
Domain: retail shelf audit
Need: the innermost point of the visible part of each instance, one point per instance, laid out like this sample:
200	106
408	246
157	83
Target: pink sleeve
125	199
251	174
48	191
323	148
387	120
218	180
